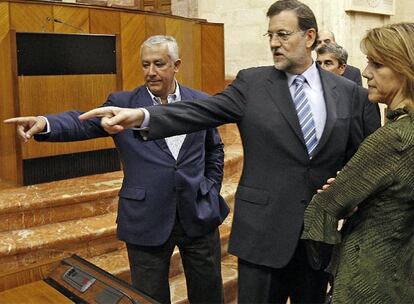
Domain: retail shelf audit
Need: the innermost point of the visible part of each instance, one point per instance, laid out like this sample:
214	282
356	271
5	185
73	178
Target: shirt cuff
47	131
145	122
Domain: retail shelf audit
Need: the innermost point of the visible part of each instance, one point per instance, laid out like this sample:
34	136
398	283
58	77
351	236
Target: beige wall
245	23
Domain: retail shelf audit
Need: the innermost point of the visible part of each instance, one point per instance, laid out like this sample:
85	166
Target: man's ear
310	37
341	69
177	65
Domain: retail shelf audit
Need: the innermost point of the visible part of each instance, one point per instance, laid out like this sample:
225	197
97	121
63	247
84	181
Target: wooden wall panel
73	19
4	19
132	36
154	25
104	22
212	54
173	28
40	95
9	154
38	20
49	94
197	56
182	31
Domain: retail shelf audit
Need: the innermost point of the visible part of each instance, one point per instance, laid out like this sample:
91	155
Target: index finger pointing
99	112
12	120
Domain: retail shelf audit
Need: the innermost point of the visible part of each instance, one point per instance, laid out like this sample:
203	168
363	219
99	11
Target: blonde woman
373	260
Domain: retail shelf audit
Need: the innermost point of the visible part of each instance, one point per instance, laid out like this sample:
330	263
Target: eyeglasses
282	36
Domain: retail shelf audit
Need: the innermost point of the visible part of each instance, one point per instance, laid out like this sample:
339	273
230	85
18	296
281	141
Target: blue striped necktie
303	109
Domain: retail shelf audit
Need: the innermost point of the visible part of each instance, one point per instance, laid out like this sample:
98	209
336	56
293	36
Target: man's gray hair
170	41
336	50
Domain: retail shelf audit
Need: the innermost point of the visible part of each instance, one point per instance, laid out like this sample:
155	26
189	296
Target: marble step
71	199
86	237
22	240
23	250
59	201
229	134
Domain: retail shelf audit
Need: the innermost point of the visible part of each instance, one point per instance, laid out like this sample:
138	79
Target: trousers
201	258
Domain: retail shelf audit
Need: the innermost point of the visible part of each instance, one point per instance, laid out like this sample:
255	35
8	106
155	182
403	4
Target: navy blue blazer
156	187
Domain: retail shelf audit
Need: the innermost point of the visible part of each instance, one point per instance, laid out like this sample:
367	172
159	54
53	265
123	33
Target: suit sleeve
66	126
214	157
196	115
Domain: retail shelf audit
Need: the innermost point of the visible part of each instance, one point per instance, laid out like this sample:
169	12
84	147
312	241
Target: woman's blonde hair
393	46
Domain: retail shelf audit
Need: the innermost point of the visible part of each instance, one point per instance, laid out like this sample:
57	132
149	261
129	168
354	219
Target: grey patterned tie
305	117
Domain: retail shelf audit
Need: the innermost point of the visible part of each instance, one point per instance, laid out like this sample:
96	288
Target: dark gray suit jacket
353	73
278	178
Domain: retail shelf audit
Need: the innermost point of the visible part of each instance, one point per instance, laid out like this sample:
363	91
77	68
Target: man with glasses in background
299	125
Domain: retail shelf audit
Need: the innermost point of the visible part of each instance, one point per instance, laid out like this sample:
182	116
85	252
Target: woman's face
384	85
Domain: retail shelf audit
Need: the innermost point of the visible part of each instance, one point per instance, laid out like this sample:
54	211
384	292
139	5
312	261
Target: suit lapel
330	95
278	89
144	100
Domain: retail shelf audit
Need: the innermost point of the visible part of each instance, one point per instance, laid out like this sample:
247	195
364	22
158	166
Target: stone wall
245	23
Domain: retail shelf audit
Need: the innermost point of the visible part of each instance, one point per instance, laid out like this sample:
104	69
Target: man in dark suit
299	125
350	72
170	192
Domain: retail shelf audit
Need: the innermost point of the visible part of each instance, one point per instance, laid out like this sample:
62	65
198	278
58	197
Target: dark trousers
201	257
297	280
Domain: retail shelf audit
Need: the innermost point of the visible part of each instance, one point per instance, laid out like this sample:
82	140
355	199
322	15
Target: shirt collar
176	96
311	75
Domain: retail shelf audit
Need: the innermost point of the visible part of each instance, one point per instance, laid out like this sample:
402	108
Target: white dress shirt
174	143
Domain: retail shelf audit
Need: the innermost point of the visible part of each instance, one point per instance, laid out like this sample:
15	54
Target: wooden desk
56	289
37	292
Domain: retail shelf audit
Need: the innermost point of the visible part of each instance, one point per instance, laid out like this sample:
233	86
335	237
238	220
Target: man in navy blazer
170	192
280	175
